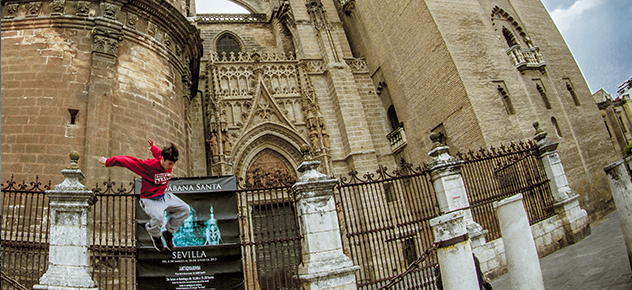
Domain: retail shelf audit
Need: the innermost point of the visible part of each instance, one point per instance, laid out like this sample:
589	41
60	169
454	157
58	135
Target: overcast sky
218	6
598	32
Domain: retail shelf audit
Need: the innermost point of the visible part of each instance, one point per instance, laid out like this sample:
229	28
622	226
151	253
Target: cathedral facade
363	83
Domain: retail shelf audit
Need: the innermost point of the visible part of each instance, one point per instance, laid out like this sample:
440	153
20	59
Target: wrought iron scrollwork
111	190
35	186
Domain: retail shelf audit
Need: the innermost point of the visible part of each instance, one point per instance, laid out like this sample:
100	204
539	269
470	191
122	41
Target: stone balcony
526	58
397	138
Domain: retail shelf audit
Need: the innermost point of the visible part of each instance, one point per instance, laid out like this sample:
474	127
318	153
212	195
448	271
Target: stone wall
443	63
423	81
99	78
44	74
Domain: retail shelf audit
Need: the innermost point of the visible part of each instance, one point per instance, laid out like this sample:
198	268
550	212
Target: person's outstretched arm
155	151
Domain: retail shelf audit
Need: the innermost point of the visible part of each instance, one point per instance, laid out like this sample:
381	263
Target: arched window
573	94
506	100
392	117
545	99
557	127
227	43
509	37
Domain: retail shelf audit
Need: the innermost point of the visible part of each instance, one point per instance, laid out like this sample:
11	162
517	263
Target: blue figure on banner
211	231
189	233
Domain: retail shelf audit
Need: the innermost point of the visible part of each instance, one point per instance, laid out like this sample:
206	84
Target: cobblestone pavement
597	262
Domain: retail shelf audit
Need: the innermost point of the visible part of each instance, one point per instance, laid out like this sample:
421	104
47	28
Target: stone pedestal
456	261
574	218
520	250
621	189
324	265
566	205
448	184
70	217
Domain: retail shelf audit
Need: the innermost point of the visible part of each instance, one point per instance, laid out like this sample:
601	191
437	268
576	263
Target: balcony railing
526	58
397	138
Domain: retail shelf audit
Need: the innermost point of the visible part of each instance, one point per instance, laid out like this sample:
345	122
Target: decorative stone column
520	250
566	205
70	217
456	260
621	189
324	265
450	189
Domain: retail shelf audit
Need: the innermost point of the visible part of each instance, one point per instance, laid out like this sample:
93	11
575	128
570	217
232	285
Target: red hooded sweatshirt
155	178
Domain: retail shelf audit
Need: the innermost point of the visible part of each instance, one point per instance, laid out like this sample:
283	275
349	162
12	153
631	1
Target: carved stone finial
306	152
437	139
544	144
74	157
536	125
441	159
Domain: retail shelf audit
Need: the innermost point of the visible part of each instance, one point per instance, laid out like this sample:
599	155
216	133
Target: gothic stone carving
151	30
33	9
58	7
186	86
347	6
105	44
132	19
357	65
110	10
11	10
83	7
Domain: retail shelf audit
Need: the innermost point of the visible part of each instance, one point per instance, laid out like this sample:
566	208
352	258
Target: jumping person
156	173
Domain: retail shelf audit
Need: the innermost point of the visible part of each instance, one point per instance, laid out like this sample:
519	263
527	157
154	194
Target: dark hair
170	153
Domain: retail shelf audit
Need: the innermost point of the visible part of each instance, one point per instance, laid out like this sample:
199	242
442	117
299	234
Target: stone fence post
445	171
574	218
456	260
621	189
520	250
324	264
70	218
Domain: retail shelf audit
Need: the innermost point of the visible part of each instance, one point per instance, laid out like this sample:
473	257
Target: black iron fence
24	235
271	243
385	217
385	226
113	246
270	238
494	174
384	220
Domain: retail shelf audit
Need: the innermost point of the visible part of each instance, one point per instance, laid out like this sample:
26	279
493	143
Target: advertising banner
207	253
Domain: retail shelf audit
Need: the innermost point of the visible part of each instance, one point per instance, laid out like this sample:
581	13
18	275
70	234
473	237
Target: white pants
177	209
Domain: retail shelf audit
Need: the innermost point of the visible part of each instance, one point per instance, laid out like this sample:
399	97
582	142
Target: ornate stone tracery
261	100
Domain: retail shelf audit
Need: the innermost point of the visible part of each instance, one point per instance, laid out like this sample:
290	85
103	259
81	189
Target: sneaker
158	245
168	240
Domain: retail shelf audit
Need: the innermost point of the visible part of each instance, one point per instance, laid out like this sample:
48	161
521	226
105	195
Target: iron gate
270	238
385	226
